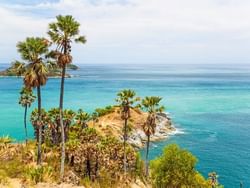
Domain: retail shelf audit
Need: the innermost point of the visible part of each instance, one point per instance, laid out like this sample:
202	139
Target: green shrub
176	168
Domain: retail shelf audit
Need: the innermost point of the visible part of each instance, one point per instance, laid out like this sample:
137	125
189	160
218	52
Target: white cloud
140	30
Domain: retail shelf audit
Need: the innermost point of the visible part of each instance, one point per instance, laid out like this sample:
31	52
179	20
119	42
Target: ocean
208	103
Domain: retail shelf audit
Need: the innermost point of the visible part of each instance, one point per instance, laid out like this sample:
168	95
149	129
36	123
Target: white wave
177	131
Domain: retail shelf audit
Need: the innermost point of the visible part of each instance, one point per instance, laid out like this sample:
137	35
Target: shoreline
56	77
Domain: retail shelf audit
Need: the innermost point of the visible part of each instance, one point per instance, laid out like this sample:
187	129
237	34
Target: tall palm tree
26	99
63	32
126	99
152	106
33	51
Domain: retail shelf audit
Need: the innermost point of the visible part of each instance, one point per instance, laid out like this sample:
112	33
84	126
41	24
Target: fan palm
82	118
152	106
33	51
26	99
63	32
126	99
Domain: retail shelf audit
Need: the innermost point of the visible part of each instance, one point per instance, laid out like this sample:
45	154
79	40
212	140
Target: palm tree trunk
61	123
39	148
25	124
124	146
147	151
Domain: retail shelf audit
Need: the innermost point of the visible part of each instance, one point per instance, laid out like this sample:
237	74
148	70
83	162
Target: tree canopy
175	168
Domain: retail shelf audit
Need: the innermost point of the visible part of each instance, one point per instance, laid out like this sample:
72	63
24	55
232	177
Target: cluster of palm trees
36	53
52	127
127	100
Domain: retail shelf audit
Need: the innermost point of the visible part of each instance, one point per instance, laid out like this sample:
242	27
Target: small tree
26	99
176	168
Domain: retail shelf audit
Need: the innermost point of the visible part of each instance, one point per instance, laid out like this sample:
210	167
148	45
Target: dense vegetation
67	149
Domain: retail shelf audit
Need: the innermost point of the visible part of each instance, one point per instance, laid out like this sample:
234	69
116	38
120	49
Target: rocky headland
112	124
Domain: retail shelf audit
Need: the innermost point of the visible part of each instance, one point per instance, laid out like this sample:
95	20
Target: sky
136	31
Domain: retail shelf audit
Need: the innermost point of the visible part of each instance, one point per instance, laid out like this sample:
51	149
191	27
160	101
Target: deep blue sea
209	103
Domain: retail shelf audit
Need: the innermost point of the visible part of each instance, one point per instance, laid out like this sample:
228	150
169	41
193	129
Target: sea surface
209	104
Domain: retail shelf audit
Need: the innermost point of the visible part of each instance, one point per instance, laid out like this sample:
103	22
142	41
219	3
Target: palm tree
33	51
82	118
152	106
63	32
26	99
126	99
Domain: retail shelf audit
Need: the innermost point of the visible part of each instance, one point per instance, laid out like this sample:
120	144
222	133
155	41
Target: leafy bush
176	168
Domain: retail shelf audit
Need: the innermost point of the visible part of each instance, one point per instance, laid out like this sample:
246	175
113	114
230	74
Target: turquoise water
209	103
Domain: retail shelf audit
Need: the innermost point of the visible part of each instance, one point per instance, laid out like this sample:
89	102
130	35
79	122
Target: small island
53	71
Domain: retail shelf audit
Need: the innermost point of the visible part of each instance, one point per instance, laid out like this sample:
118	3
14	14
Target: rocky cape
112	124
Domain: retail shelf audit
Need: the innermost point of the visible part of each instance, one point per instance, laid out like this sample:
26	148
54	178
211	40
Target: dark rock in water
162	114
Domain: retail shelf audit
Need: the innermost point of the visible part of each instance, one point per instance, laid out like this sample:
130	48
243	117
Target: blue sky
137	31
